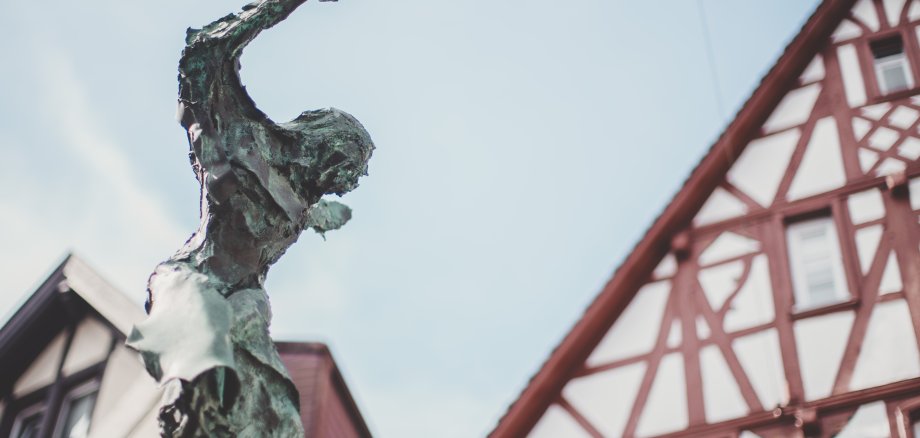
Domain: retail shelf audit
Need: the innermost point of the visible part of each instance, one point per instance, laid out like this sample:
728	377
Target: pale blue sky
523	147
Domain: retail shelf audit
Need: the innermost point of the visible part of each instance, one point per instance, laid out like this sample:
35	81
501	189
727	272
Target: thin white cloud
118	224
80	127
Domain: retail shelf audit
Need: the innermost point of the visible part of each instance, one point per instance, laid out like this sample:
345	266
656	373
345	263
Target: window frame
902	59
801	298
866	56
53	395
906	415
37	407
75	392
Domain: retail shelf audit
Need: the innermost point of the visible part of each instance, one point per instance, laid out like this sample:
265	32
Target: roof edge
338	381
110	302
544	386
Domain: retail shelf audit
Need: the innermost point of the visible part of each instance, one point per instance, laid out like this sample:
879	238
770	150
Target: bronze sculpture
207	338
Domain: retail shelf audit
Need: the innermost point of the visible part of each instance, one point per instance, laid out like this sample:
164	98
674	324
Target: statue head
329	154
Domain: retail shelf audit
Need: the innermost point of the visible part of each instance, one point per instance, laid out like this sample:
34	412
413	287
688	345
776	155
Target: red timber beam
544	388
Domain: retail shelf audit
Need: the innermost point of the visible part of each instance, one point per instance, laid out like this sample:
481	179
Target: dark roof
677	215
74	290
61	299
326	404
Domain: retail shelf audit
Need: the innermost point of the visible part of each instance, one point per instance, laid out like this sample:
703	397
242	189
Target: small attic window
891	68
817	266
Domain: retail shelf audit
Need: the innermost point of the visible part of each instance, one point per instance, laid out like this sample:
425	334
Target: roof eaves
113	305
654	244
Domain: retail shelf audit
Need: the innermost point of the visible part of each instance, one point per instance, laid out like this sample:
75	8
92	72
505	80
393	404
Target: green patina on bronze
206	338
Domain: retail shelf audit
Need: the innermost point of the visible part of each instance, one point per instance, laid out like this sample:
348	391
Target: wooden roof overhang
72	291
546	385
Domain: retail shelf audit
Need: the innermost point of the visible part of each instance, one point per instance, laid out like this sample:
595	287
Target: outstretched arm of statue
262	184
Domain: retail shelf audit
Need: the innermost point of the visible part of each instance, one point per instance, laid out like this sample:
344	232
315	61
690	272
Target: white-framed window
77	411
28	422
892	69
817	267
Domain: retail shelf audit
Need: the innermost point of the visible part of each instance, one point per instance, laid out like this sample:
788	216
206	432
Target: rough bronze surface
206	338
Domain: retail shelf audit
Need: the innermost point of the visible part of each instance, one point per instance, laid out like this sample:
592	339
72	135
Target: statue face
334	151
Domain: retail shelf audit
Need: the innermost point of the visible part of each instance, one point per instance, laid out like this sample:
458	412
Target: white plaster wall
883	138
864	10
726	246
820	342
821	169
674	334
910	148
721	396
891	277
635	331
126	396
847	30
814	72
852	77
557	423
147	427
90	346
667	267
890	166
914	188
870	420
762	164
754	303
720	281
903	117
877	111
866	206
606	398
720	206
889	350
794	109
914	12
42	371
867	159
761	360
666	408
861	127
893	10
867	240
702	328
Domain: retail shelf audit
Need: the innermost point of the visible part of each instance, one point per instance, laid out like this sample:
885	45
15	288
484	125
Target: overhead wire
710	55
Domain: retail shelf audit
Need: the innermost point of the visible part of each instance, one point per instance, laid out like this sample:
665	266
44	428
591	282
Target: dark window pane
887	47
29	426
79	411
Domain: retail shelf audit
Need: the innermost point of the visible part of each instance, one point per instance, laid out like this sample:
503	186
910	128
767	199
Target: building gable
720	337
65	365
62	354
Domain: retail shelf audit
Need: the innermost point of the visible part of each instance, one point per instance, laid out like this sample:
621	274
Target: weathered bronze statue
206	338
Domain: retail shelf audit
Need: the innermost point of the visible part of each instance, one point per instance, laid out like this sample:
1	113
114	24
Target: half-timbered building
778	294
65	372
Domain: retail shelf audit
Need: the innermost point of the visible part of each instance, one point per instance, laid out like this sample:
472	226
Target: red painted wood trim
580	419
781	280
795	161
724	344
843	114
802	206
846	241
651	371
906	242
867	300
685	287
833	403
587	332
